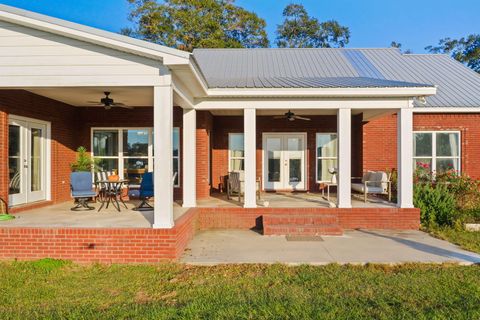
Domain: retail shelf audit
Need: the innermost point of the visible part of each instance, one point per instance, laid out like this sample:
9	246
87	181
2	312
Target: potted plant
84	161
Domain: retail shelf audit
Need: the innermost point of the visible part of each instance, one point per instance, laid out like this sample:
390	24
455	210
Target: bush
437	204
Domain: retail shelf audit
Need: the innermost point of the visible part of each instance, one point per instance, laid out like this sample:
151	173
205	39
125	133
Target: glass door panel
36	161
273	149
294	155
16	184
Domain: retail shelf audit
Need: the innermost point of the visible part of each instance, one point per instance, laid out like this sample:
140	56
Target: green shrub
437	204
84	161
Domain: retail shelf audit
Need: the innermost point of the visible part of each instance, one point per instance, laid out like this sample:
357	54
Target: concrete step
303	230
322	219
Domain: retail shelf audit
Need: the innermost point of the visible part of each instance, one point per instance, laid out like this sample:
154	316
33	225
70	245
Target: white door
284	161
27	141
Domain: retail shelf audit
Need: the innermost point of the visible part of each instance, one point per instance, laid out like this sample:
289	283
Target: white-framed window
236	154
326	155
129	151
437	150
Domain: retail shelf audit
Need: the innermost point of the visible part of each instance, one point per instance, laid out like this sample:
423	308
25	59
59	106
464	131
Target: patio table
111	192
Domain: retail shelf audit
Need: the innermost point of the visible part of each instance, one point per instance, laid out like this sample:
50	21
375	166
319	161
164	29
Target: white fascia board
324	92
446	109
167	55
303	103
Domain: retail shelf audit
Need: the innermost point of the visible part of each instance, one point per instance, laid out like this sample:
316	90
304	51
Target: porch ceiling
79	96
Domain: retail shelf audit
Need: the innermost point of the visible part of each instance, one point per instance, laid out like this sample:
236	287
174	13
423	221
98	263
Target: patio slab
359	246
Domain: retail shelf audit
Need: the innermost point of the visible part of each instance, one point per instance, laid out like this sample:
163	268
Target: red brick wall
98	245
224	125
380	139
204	128
64	124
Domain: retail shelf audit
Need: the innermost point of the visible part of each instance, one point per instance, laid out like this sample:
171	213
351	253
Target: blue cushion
81	183
80	194
146	193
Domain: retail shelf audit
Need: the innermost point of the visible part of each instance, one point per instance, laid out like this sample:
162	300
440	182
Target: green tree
190	24
398	45
465	50
299	30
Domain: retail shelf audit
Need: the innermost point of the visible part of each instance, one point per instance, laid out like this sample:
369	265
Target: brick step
322	219
303	230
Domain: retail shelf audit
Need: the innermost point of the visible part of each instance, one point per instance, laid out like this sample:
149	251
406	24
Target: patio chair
374	182
81	186
236	185
145	192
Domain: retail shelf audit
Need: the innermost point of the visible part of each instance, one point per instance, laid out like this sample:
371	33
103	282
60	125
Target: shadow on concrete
427	248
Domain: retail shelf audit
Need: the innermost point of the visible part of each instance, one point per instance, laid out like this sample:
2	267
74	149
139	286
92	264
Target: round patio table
111	192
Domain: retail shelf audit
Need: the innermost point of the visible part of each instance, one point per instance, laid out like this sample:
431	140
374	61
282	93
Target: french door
284	161
27	161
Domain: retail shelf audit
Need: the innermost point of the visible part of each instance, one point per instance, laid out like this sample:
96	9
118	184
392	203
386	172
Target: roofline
169	56
446	109
324	92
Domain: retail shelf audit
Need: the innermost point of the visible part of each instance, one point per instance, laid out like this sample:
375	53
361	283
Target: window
326	155
236	155
437	150
129	151
176	156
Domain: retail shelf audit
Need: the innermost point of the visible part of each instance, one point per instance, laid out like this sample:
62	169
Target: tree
398	45
299	30
190	24
466	50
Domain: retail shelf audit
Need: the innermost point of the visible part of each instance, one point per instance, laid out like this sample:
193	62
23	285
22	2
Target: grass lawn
55	289
466	239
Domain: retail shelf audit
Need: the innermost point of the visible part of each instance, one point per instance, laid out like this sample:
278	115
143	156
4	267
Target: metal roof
457	85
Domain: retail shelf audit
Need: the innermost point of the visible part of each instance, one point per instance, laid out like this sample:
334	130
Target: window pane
176	142
135	143
237	165
423	164
36	159
105	143
108	165
13	141
175	170
323	165
235	144
326	145
422	144
133	169
447	164
447	144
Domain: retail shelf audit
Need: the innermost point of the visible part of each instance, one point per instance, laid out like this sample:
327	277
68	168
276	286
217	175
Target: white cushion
360	187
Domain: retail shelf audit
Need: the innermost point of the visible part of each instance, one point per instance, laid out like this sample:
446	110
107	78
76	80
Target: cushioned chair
374	182
146	191
81	186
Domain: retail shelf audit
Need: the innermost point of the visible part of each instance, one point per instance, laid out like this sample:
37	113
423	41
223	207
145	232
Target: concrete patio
359	246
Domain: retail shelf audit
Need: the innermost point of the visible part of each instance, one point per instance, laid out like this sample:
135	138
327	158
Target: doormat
304	238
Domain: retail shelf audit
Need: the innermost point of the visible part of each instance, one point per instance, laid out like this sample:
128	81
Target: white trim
47	179
446	109
323	158
265	135
404	158
250	146
434	156
344	138
324	92
190	153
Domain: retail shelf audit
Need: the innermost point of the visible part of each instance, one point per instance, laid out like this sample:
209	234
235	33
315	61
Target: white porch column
163	164
250	141
344	180
189	158
404	157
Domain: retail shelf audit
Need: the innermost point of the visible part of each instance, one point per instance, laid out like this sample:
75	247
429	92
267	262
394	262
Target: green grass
50	289
468	240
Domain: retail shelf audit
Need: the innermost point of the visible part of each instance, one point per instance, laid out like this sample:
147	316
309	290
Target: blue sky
373	23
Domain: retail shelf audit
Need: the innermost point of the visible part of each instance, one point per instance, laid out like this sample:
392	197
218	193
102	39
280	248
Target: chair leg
82	203
365	197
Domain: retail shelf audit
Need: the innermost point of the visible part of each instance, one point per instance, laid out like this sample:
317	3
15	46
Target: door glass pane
447	144
14	159
134	168
295	150
175	170
422	144
135	143
36	159
105	143
295	170
274	147
176	142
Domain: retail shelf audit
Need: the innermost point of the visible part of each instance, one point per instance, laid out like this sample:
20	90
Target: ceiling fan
108	103
290	116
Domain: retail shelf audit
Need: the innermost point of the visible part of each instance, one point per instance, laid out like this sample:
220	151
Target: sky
373	23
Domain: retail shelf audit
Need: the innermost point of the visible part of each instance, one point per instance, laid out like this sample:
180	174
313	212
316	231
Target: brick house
284	118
